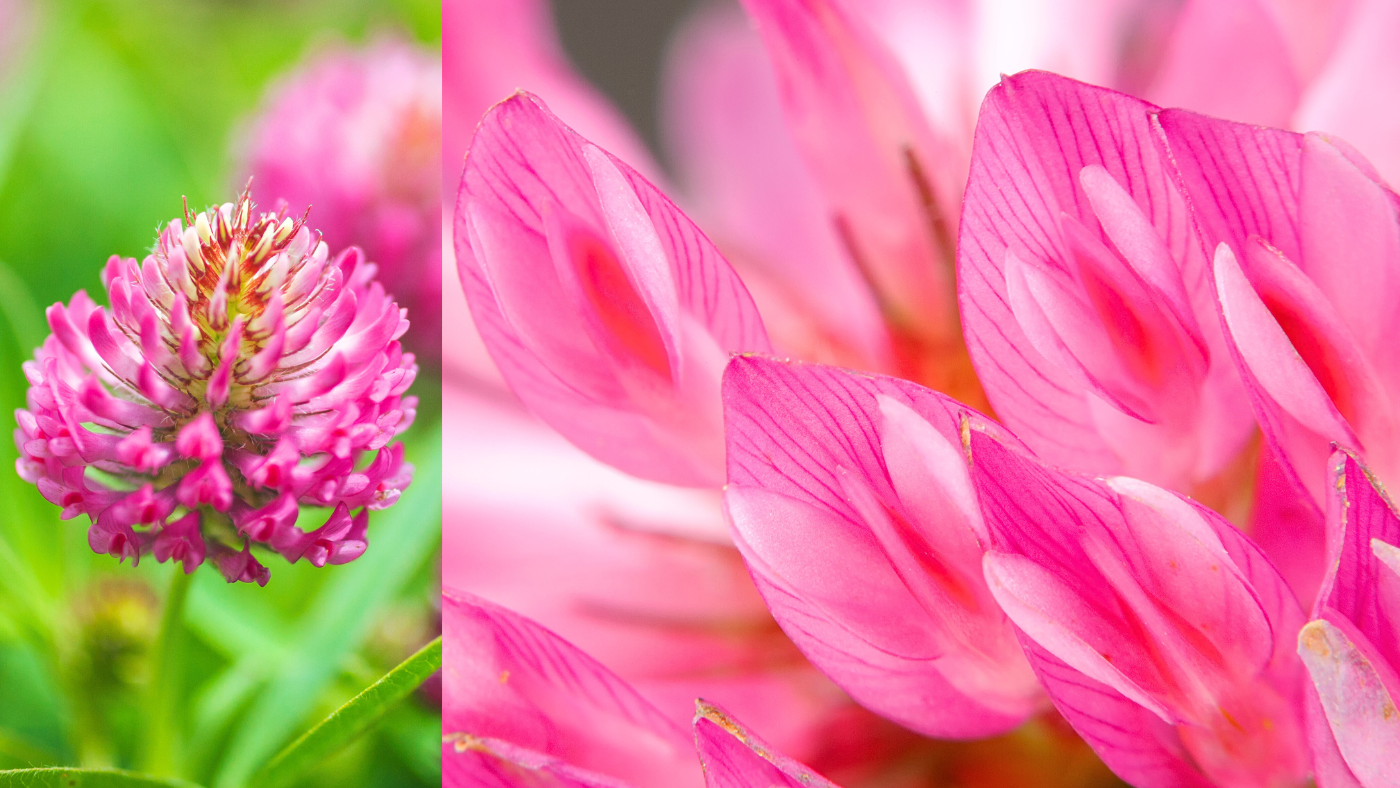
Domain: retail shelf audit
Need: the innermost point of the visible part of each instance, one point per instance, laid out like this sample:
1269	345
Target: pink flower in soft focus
1351	647
522	706
1161	632
239	372
357	135
609	313
850	501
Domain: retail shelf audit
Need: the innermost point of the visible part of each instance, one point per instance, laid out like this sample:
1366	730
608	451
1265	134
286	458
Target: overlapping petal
1161	633
1352	646
1306	245
852	507
1086	304
732	757
608	311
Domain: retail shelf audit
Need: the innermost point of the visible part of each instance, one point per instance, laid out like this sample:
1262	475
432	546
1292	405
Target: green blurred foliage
117	110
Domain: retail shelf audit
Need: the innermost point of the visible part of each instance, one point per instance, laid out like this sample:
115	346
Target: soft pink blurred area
356	135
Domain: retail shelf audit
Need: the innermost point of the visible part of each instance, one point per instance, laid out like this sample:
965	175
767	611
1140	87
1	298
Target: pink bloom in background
357	135
522	706
239	373
1352	645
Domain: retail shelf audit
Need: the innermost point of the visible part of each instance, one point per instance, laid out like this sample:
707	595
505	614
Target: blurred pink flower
1351	647
238	374
357	135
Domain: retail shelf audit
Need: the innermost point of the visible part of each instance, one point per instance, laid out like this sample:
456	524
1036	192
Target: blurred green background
110	112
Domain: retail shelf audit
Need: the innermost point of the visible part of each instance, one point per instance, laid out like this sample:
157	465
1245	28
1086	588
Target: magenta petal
734	758
1352	646
1313	204
1160	632
1084	290
608	311
508	678
863	537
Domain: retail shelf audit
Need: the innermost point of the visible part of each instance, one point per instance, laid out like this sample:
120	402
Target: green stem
163	693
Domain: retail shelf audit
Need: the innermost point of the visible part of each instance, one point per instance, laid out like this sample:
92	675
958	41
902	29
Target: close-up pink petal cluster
1112	418
238	373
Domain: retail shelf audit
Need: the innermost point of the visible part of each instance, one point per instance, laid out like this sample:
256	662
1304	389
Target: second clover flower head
239	373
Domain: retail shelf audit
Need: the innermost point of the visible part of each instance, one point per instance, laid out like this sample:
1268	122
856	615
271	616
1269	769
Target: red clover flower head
239	373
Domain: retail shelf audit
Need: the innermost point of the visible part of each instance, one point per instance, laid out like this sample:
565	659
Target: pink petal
558	251
1350	240
1247	182
1229	58
890	184
734	758
1359	586
1085	298
1133	602
1349	99
867	557
510	679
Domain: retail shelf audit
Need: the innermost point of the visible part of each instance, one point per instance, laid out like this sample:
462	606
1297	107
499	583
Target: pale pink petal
890	185
1351	241
749	186
1352	96
1086	302
1360	709
1229	58
864	542
510	679
733	757
607	310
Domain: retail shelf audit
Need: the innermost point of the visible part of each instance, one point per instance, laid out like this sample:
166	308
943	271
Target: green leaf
340	615
85	778
354	718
